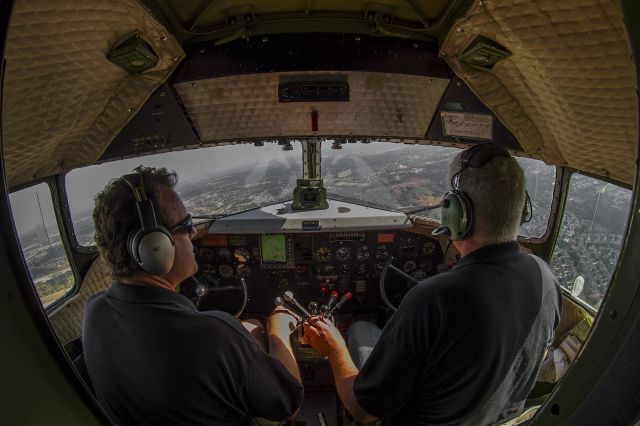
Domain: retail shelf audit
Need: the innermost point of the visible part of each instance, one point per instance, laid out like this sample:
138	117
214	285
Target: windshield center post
310	193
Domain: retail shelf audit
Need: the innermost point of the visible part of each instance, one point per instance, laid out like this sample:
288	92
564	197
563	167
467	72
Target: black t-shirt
154	359
464	346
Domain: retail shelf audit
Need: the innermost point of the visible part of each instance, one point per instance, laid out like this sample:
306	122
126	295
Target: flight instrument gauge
241	254
226	271
343	254
244	271
362	254
428	248
409	266
323	254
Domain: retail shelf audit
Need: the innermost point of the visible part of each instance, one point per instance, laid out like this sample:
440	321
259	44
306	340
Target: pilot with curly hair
152	357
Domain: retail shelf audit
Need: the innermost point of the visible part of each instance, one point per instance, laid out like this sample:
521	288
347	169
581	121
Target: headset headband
477	156
143	203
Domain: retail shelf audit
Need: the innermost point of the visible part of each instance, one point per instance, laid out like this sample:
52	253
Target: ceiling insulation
568	91
63	100
247	106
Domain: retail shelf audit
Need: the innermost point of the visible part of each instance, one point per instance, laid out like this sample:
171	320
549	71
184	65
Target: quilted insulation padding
67	320
63	100
247	106
568	92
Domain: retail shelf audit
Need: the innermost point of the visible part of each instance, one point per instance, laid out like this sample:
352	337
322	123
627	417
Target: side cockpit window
590	239
540	180
41	243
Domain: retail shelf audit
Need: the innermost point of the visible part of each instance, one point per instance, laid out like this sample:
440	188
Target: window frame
567	174
63	230
553	209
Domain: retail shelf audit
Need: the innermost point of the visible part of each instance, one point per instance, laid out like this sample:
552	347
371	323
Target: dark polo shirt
465	346
154	359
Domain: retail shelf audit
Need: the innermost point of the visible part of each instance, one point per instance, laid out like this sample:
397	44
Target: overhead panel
568	91
380	104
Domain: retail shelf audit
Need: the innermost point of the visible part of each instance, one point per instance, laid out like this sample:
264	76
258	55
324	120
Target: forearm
344	374
280	347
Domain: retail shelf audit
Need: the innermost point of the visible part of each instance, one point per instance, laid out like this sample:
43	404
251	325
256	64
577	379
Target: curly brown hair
115	216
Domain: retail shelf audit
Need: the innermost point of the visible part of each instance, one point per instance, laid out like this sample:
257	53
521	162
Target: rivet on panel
193	84
415	45
163	38
443	54
483	2
130	109
357	38
460	29
162	93
201	50
458	83
176	58
429	81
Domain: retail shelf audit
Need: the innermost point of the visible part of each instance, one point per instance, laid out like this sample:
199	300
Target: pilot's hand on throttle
323	336
281	321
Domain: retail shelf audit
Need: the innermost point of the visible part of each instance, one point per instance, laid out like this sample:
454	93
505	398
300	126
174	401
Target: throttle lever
288	297
346	296
332	299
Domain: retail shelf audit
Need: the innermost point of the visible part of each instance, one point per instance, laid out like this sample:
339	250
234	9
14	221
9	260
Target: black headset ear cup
457	215
132	245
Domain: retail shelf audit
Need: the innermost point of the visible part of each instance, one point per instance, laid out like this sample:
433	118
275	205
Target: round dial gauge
343	254
409	266
244	271
428	248
323	254
241	254
226	271
362	254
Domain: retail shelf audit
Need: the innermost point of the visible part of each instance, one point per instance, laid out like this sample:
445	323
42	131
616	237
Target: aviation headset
150	245
457	215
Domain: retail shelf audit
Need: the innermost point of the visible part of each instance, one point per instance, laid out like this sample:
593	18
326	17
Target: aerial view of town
388	176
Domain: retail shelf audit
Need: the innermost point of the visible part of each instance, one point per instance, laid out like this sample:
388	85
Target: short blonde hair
497	193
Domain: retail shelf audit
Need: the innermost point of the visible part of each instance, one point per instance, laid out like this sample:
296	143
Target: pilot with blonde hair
464	346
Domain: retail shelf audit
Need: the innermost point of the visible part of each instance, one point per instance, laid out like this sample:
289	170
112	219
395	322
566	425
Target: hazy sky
83	184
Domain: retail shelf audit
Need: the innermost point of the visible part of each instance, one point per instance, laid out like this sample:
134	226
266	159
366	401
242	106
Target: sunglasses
184	227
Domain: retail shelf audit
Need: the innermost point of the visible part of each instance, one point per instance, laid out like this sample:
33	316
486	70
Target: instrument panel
310	265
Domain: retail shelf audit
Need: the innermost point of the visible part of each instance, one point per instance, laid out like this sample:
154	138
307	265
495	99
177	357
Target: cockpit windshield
219	181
